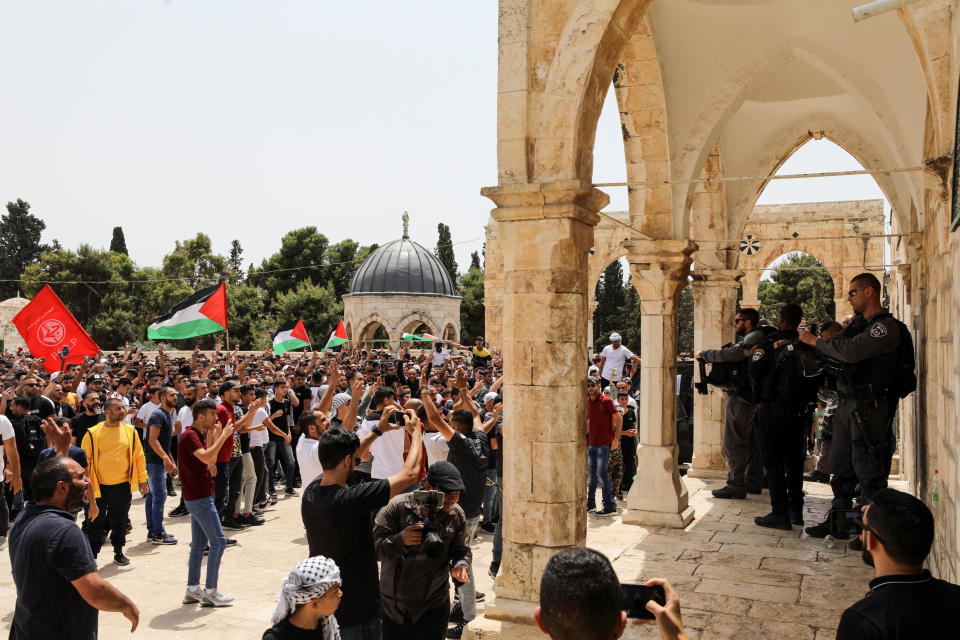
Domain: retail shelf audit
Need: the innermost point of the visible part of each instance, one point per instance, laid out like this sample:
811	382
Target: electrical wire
211	280
788	176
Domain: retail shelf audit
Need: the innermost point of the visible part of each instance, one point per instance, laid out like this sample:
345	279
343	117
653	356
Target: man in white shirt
9	439
147	410
612	359
439	356
387	450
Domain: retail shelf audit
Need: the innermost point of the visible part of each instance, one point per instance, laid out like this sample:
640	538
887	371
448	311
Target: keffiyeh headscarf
310	579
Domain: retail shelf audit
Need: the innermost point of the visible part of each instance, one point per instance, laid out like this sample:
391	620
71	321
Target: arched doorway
798	278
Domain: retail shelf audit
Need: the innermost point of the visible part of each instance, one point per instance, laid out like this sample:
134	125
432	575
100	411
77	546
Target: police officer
862	427
740	442
783	394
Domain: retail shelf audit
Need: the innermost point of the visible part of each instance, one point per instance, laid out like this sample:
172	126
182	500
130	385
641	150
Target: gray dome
402	266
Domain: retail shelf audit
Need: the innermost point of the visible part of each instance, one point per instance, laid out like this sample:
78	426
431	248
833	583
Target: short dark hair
463	417
792	314
867	280
90	392
751	315
46	475
903	523
580	596
247	388
299	373
109	402
204	405
307	418
335	445
21	401
381	394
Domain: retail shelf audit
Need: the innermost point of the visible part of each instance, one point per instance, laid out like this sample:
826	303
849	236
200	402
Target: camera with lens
432	501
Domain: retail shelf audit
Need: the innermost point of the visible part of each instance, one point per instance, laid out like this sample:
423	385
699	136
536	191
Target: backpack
906	379
793	388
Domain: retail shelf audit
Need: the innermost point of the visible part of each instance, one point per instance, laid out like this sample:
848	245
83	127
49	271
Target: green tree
191	265
250	324
20	244
472	309
343	259
118	242
444	251
315	303
685	321
107	306
610	295
235	262
475	260
800	279
305	247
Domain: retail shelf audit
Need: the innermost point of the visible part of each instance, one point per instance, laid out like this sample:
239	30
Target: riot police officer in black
783	395
863	438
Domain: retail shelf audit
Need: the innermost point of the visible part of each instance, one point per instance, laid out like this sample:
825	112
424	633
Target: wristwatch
377	431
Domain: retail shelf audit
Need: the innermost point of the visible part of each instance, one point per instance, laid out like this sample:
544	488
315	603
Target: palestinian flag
337	338
202	313
410	337
292	335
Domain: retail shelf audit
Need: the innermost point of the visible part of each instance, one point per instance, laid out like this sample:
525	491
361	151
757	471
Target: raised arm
219	435
333	379
411	466
461	384
103	596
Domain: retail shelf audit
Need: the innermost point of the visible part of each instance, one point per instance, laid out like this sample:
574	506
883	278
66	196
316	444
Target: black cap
445	477
95	378
229	385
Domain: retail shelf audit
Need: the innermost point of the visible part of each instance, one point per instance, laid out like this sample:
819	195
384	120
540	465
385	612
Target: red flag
47	325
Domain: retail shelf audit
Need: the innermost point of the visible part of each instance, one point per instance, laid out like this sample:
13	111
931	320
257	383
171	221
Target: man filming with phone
420	539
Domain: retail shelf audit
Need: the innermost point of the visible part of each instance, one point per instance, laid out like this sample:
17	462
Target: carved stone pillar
593	309
714	307
660	270
545	233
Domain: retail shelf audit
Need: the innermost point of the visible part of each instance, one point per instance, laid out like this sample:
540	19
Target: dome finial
406	225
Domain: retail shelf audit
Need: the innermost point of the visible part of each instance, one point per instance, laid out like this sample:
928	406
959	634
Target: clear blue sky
247	119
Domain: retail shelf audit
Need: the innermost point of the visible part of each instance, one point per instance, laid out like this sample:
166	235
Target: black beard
867	558
74	502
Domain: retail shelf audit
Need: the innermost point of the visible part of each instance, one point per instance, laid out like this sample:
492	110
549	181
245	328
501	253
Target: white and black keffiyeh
310	579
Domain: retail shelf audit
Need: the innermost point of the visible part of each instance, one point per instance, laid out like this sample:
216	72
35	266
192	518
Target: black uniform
863	439
783	395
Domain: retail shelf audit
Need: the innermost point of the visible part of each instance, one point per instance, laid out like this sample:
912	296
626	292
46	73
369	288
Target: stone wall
400	313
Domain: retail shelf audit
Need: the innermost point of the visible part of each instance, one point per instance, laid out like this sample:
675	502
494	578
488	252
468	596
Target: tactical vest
880	372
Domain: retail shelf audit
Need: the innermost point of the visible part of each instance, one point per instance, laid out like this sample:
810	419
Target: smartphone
844	521
636	597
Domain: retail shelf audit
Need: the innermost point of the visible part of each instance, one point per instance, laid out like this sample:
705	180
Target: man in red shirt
229	452
603	424
196	454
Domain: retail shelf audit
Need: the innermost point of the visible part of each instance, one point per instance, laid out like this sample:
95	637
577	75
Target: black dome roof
402	266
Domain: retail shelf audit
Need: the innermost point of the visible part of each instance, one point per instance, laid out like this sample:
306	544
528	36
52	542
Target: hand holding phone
636	597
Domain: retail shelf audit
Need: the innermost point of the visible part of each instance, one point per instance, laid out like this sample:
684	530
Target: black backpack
793	388
906	378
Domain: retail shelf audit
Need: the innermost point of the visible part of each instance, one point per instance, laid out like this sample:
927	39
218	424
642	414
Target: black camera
432	501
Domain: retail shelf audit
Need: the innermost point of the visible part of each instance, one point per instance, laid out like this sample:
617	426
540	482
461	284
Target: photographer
419	542
905	601
581	598
740	440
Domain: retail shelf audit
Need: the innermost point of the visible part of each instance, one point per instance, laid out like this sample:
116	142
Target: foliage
298	248
801	279
19	244
235	263
610	295
250	325
475	260
472	309
444	251
316	304
685	321
343	259
118	242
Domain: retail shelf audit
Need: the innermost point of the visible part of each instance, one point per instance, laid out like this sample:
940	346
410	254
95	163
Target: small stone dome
402	266
14	303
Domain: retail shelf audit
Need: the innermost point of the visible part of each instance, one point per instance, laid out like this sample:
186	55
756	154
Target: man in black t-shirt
58	587
89	416
904	601
338	518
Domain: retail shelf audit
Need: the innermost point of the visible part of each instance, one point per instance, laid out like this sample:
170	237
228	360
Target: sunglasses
31	384
863	526
852	292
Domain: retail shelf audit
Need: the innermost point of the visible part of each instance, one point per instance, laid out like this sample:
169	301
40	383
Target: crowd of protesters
398	455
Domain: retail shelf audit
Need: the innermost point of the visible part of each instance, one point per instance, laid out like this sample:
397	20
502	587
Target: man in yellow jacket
116	466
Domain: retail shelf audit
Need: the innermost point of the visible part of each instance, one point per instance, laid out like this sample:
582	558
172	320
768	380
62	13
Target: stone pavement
736	580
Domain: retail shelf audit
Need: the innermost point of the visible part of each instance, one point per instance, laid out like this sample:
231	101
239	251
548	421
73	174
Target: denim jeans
273	450
369	630
468	590
221	483
491	498
205	529
153	501
598	458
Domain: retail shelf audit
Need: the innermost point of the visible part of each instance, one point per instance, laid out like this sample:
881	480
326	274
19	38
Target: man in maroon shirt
197	449
229	452
603	424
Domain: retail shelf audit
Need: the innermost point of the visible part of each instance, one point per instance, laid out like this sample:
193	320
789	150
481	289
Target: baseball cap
229	385
445	477
95	378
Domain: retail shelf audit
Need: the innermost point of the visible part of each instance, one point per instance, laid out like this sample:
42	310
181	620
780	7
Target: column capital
725	278
660	269
534	201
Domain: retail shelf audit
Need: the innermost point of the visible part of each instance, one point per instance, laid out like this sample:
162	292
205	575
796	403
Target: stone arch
555	141
450	333
368	329
414	319
768	65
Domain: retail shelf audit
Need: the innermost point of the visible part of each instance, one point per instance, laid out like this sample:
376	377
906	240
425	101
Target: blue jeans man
598	458
205	529
154	501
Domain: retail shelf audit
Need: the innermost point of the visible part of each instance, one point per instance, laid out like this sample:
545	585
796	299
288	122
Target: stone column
714	307
545	233
660	270
841	308
493	287
593	309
